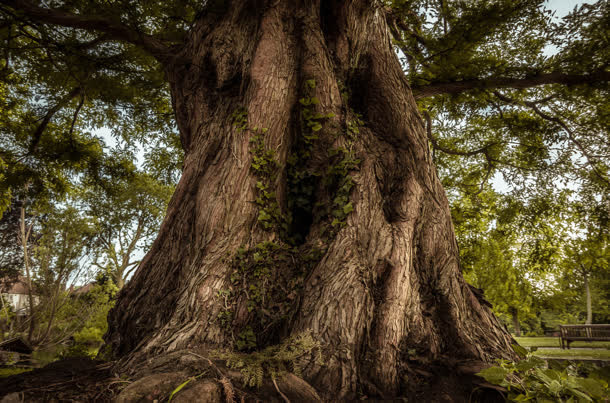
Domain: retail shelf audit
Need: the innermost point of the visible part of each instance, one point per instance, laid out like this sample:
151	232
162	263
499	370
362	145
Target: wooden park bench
570	333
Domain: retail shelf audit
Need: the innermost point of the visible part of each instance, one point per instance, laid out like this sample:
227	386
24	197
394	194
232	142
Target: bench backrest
585	331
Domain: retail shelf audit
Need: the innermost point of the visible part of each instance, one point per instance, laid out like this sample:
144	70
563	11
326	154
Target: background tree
491	115
587	260
538	245
505	286
83	318
129	211
505	250
306	162
61	240
64	302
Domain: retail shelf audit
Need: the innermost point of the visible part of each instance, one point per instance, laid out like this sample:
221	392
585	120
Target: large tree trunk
281	228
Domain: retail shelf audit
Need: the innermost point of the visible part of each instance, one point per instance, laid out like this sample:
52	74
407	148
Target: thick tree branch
113	29
506	82
437	146
129	271
483	150
132	245
49	115
397	27
78	108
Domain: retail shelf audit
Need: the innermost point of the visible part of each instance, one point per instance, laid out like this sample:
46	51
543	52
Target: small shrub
79	350
532	379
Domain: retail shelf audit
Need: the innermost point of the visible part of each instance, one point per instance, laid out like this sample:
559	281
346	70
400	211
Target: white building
16	294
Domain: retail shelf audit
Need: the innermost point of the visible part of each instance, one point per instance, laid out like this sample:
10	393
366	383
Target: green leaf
526	365
316	127
311	83
543	376
179	388
554	387
494	375
521	352
582	396
591	386
263	216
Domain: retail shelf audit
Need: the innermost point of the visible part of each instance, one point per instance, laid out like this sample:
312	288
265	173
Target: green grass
585	353
44	357
4	372
554	342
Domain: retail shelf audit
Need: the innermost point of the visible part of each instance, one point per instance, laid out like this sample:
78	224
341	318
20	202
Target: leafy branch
113	29
534	105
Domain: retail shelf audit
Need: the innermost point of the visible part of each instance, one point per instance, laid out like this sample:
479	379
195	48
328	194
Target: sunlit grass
554	342
597	354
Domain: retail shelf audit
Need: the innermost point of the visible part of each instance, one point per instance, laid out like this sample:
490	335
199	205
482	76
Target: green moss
290	355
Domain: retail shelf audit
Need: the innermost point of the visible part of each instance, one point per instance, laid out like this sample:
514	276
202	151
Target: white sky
565	6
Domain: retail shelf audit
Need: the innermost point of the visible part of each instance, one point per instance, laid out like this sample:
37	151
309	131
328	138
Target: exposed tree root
210	380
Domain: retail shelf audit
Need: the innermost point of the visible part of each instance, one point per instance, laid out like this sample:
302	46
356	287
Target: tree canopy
506	88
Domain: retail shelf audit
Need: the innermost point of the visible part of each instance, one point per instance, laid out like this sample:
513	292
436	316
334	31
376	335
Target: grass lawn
554	342
589	353
4	372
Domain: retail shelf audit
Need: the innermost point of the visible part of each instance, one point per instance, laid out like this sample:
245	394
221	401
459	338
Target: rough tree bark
345	206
